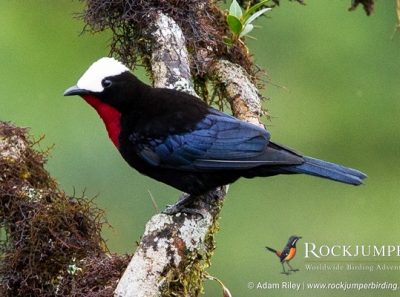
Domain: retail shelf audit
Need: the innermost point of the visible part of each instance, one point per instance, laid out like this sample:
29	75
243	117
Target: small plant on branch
240	22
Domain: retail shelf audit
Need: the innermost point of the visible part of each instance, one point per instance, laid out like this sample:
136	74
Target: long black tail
328	170
270	249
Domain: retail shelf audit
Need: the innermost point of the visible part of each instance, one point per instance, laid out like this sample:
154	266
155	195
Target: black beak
74	90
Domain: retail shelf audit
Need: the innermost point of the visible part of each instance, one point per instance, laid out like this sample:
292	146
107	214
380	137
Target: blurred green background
334	95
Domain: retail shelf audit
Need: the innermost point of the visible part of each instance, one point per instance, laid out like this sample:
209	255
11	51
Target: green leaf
234	24
235	9
253	9
247	29
256	15
228	41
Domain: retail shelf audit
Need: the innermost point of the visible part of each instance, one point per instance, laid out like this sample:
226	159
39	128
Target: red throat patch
110	116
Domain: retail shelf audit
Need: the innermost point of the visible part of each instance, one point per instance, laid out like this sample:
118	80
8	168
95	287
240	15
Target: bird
177	139
287	254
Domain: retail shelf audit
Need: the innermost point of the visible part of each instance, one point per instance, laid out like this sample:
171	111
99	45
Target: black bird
287	254
177	139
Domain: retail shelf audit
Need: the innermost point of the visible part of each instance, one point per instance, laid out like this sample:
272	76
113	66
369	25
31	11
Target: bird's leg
291	268
284	271
182	206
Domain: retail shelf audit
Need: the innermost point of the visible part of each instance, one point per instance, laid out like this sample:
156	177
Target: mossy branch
52	241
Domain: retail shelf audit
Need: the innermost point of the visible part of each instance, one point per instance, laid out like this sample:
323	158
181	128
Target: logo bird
287	254
177	139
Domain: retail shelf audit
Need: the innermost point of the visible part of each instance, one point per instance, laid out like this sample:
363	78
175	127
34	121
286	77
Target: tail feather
278	253
328	170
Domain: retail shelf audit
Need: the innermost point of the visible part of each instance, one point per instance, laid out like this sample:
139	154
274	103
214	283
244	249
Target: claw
284	272
182	207
175	209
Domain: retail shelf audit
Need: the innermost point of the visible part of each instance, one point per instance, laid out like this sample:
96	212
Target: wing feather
218	142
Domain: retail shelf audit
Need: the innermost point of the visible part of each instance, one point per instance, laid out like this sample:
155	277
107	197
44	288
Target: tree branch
242	95
175	251
170	63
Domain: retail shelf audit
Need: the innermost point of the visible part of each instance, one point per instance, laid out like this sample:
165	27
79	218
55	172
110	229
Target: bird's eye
106	83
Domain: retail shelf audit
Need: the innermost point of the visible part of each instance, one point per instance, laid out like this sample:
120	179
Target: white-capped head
92	79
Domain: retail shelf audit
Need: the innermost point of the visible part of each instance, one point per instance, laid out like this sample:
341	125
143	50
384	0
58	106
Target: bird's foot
174	209
285	272
182	206
294	270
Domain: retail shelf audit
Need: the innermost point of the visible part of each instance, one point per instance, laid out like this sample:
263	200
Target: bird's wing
284	252
218	142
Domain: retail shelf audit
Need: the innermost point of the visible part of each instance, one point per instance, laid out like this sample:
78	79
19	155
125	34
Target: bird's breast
110	116
292	253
